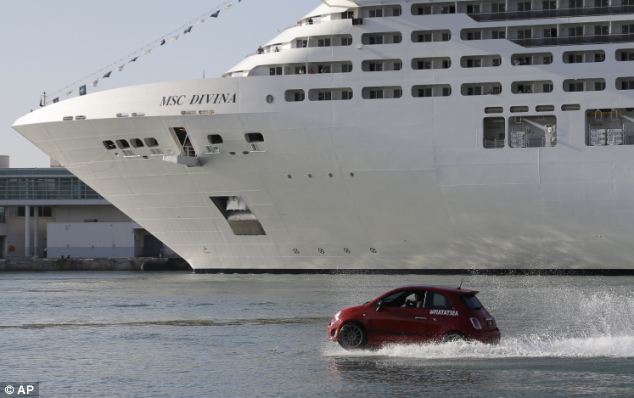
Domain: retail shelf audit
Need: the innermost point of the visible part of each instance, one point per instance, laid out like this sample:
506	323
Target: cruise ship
381	135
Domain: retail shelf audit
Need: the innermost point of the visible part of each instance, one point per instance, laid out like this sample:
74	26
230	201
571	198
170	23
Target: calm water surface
176	335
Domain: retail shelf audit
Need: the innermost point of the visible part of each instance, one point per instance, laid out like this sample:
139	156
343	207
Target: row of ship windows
552	34
478	7
519	33
467	89
439	35
134	143
494	7
468	61
604	127
538	108
137	143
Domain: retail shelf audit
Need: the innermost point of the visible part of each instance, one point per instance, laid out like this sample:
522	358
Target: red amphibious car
414	314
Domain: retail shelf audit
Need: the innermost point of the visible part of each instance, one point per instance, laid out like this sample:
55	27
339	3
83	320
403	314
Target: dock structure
50	213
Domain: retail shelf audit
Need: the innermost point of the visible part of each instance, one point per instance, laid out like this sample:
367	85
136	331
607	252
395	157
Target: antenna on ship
461	280
43	100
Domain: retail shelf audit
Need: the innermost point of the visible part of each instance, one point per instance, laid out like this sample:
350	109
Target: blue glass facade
43	184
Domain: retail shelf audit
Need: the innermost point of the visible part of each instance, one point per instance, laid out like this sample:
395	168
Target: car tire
453	337
351	336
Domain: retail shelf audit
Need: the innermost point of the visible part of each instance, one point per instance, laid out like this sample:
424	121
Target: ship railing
495	143
565	12
571	40
189	151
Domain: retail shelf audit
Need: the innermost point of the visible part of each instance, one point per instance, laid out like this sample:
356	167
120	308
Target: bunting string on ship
80	86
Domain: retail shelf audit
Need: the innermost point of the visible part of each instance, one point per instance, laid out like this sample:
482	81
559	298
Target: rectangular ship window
494	109
109	145
136	143
494	132
151	142
241	220
607	127
532	131
570	107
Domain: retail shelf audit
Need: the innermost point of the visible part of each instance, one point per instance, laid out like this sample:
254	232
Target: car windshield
472	302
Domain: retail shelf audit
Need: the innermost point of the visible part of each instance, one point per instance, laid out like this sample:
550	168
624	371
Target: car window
395	299
415	300
438	301
472	302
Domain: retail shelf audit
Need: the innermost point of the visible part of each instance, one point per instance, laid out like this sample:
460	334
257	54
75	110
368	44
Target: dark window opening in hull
215	139
532	131
109	145
544	108
151	142
519	109
494	132
254	137
241	220
607	127
182	137
570	107
256	141
494	109
136	143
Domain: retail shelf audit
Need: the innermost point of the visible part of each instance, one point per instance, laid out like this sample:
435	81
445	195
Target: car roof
440	289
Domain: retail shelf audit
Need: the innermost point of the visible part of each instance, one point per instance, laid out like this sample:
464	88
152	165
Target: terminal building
50	213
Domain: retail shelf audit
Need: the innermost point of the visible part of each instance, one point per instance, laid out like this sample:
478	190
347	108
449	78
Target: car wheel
351	336
453	336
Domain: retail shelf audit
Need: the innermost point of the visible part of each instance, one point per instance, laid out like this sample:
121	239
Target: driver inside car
416	302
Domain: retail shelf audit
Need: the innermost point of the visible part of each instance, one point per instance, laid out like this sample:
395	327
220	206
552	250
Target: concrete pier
29	264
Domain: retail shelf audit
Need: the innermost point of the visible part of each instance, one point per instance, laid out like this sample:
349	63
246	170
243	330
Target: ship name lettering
200	99
173	100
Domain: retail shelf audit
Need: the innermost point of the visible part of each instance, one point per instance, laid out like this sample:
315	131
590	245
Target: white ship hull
420	196
393	184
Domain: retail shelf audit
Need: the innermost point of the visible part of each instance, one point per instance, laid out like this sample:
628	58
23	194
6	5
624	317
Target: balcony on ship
552	13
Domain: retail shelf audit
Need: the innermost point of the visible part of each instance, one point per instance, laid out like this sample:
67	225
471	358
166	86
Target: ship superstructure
382	134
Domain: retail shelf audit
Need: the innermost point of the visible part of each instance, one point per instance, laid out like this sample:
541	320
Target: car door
420	325
399	322
384	324
441	314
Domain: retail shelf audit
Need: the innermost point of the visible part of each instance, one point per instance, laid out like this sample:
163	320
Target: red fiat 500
414	314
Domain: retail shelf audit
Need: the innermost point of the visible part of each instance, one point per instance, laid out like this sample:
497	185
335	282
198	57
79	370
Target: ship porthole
296	251
346	250
372	250
321	251
270	99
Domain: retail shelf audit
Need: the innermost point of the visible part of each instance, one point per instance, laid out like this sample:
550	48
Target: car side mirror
379	305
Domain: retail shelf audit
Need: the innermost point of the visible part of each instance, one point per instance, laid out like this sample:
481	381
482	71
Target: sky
48	44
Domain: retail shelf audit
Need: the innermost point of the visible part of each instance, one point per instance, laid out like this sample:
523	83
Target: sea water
185	335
